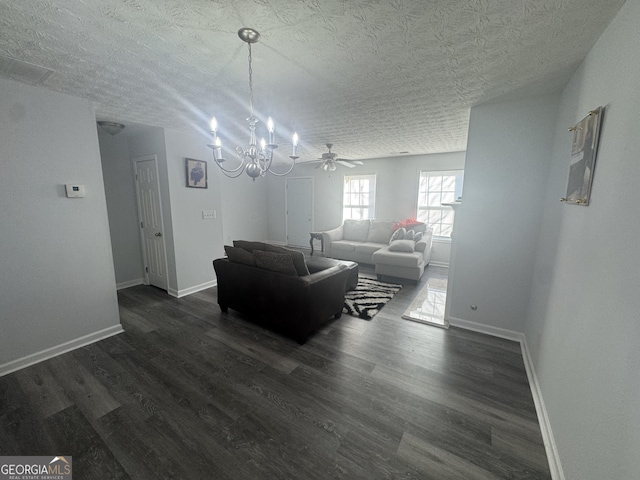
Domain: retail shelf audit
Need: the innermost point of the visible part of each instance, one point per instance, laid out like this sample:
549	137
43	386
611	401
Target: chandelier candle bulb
263	144
271	128
213	125
218	145
294	142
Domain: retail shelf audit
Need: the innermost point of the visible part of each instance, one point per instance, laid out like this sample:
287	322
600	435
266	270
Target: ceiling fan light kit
256	159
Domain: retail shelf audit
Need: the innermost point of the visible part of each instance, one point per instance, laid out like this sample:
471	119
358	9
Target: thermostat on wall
74	190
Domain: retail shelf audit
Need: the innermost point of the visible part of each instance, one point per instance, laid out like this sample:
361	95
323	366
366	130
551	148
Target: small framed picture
196	173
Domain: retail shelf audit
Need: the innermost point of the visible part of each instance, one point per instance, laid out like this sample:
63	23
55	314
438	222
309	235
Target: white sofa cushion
343	246
368	248
399	259
356	230
380	232
407	246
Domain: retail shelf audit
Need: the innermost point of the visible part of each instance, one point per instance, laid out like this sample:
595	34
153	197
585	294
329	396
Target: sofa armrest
425	244
331	236
322	276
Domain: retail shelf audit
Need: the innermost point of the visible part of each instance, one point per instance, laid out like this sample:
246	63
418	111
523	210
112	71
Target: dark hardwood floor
188	392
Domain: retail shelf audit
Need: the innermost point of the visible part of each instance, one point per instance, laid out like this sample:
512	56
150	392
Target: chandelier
256	159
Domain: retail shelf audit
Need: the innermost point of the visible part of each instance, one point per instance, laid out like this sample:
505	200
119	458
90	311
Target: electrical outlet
208	214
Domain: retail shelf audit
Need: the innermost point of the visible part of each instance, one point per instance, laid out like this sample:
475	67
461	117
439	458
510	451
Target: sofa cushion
407	246
380	232
409	235
296	255
398	234
251	246
275	262
356	230
399	259
240	255
368	248
417	236
343	246
421	246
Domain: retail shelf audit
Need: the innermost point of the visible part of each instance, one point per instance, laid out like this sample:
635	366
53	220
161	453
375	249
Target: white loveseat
367	241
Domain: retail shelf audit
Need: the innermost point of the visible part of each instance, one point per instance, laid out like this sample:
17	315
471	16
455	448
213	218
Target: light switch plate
208	214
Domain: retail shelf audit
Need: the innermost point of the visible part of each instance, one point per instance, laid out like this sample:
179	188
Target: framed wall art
584	148
196	173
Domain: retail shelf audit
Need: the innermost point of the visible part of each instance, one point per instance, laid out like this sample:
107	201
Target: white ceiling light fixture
256	159
112	128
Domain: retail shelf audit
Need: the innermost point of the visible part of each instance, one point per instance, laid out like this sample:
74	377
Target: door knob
158	234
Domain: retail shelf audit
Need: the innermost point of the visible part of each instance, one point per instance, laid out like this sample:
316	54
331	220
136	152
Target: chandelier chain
250	82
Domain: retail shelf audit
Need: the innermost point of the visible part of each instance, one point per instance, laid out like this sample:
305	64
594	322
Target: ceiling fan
329	160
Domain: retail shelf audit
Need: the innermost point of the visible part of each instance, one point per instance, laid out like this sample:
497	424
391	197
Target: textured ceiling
374	77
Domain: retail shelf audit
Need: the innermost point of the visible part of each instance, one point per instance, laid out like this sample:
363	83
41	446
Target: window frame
459	174
371	206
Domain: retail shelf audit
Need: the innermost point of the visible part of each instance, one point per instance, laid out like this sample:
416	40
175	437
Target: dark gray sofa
295	305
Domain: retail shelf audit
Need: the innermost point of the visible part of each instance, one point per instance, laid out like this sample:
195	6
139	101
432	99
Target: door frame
286	205
135	160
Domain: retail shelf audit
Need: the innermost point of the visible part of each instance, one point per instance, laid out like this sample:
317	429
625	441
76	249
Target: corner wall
57	288
497	224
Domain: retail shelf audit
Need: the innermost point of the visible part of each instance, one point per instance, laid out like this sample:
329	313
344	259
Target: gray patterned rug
368	297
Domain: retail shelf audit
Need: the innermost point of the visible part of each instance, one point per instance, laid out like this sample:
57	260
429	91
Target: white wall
396	192
583	326
57	288
497	225
244	206
197	241
119	185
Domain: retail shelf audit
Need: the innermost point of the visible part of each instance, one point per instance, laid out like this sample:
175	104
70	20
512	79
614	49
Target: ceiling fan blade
345	163
354	162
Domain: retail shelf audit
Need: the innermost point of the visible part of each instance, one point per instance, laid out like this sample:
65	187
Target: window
359	197
435	189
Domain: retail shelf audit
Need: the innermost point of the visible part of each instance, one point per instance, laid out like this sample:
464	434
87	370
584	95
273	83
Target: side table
316	236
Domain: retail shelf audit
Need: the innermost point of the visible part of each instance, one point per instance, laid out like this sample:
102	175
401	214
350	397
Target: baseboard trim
129	283
65	347
194	289
487	329
550	446
543	417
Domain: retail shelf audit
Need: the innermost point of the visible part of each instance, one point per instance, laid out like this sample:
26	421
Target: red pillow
406	223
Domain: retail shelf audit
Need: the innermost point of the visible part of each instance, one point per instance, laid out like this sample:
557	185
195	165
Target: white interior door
299	211
150	214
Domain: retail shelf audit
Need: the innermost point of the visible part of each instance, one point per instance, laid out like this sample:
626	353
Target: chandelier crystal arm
293	164
229	173
219	161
